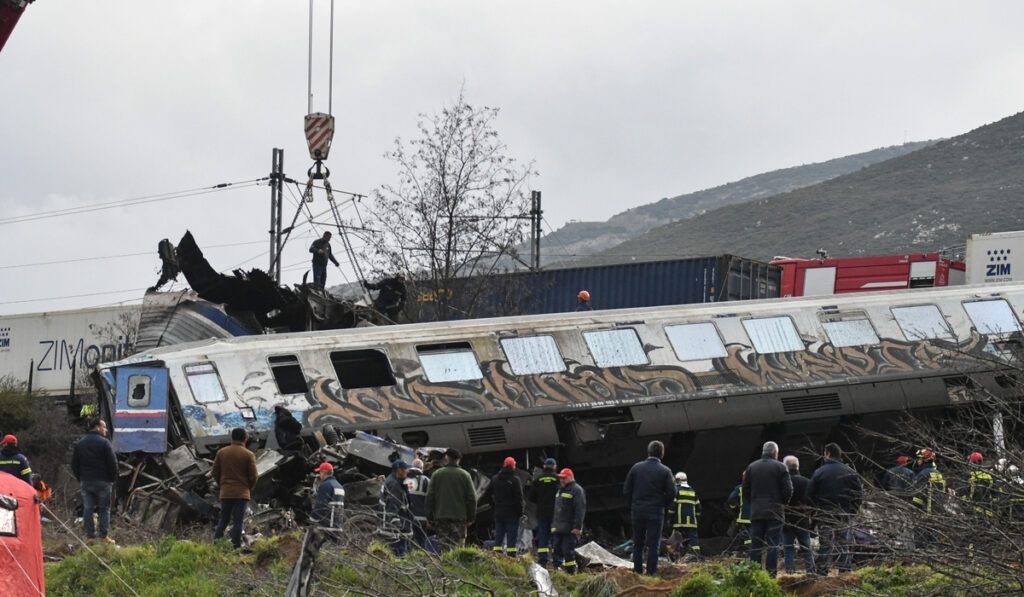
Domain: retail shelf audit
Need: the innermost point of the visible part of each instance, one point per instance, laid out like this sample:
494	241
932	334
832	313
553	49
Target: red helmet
9	439
583	295
975	458
925	454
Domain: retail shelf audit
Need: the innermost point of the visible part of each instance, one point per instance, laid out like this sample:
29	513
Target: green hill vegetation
923	201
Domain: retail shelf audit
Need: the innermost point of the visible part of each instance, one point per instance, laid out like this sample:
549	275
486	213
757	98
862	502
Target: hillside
922	201
588	238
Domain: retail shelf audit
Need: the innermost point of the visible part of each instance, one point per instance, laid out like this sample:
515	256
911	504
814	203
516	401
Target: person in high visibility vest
741	507
978	491
687	510
929	489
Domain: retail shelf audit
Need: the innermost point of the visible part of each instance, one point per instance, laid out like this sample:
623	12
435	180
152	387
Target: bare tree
457	208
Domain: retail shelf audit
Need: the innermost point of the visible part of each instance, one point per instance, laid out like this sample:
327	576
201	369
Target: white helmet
681	477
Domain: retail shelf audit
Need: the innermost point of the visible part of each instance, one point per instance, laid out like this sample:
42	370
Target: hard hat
9	439
925	454
903	460
975	457
584	295
509	462
681	477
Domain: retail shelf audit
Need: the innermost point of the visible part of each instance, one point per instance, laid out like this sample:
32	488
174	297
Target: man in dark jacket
287	430
836	491
234	469
741	507
507	492
650	490
395	515
391	297
12	461
321	250
899	477
797	527
329	505
769	488
94	464
567	521
542	493
451	501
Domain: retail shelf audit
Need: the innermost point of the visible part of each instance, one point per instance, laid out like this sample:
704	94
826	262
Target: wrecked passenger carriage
712	381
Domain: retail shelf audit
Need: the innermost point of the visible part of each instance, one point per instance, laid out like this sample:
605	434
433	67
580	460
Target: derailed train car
590	388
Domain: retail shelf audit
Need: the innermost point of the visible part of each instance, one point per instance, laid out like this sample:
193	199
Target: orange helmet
925	454
583	295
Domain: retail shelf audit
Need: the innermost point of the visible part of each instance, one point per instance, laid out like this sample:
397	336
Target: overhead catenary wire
121	256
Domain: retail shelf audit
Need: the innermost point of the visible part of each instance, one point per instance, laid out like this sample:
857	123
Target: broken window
532	355
453	361
850	332
616	348
362	368
205	383
992	317
773	334
922	322
695	341
288	374
138	391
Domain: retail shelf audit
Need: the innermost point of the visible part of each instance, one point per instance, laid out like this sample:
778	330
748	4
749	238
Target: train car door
140	410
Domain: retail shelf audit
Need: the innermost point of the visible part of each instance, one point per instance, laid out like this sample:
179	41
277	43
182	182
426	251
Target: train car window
454	361
922	322
992	317
695	341
204	382
362	369
287	373
850	332
138	391
532	355
774	334
616	348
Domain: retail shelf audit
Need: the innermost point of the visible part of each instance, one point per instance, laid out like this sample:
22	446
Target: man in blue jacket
650	490
769	488
567	521
94	464
836	491
329	506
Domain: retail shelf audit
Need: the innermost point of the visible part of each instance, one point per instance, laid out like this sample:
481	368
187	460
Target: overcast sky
617	103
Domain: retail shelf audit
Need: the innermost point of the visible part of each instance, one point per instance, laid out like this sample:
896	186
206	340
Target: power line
54	298
56	213
123	255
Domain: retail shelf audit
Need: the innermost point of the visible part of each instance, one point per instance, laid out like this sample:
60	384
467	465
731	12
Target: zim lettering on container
57	355
998	267
5	338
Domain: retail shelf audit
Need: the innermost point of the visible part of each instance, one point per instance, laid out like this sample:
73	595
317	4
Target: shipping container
56	350
818	277
990	257
621	286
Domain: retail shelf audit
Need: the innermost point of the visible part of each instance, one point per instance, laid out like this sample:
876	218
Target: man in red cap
329	506
507	492
899	477
13	461
567	522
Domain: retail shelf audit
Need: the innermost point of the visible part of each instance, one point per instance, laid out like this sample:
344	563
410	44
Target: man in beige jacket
234	469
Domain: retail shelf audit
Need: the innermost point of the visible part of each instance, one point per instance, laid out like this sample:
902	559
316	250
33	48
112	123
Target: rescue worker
898	478
796	530
542	493
417	483
321	250
391	298
396	518
686	512
329	505
507	492
929	488
13	461
567	520
837	491
649	490
979	486
741	507
583	301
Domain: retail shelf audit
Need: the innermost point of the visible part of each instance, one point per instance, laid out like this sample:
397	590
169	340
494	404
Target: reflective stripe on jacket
687	508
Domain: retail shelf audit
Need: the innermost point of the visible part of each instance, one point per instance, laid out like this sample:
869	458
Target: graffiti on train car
587	386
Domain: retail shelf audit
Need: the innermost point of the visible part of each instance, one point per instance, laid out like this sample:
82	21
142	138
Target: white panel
922	269
819	281
851	332
773	334
532	355
922	322
616	348
992	317
8	523
455	365
696	341
204	383
991	257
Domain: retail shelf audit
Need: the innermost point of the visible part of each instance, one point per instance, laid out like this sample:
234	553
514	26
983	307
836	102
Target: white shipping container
995	257
52	344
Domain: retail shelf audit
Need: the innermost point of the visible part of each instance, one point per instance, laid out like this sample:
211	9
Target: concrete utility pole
276	188
535	231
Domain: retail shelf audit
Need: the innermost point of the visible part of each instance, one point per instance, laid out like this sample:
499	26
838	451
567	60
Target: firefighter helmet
975	458
583	295
925	454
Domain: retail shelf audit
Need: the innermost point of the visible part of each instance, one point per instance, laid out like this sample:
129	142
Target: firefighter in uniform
567	523
928	489
741	507
542	493
13	461
687	509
